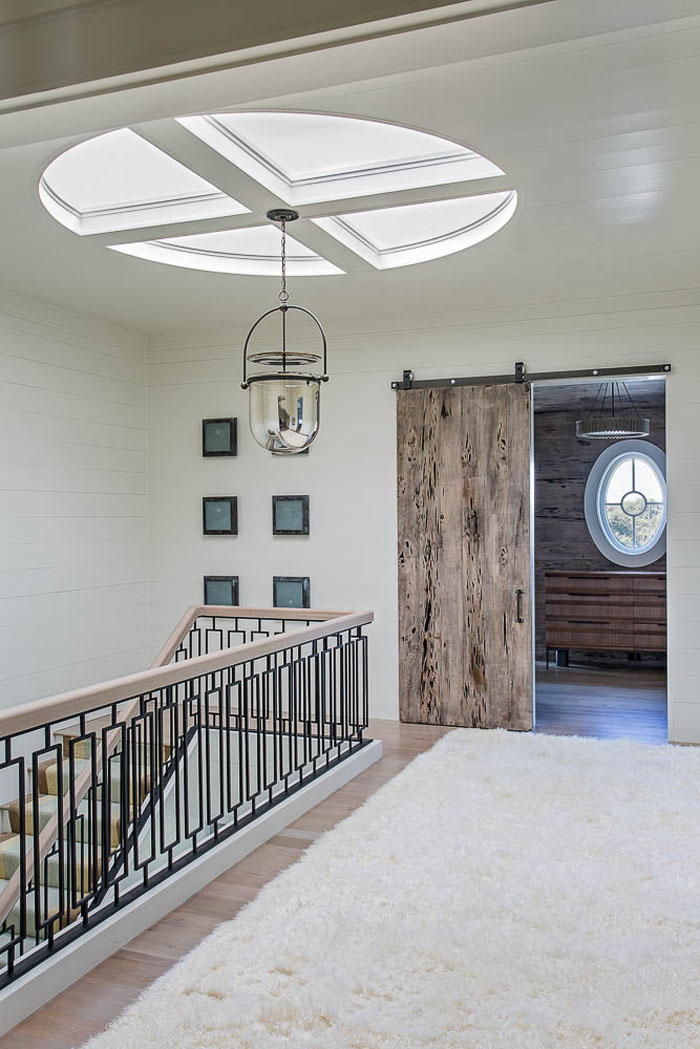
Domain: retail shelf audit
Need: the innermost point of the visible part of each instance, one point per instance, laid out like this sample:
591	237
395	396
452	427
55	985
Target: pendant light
284	397
622	420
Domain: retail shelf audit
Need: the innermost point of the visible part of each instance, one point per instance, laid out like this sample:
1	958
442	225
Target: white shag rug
505	891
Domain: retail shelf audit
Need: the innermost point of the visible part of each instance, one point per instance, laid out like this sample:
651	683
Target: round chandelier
284	396
618	422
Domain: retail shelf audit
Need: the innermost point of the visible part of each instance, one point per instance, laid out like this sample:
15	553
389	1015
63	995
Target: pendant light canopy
619	421
284	397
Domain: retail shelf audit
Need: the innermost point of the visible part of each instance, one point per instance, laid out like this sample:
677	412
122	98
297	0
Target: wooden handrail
26	716
180	632
29	716
193	613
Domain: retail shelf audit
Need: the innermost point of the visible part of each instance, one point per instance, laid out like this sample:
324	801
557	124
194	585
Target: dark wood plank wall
562	464
464	550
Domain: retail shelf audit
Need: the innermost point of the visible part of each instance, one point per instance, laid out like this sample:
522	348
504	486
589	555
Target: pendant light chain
284	294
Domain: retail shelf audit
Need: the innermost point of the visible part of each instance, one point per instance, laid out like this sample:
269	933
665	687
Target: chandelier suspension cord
599	398
635	410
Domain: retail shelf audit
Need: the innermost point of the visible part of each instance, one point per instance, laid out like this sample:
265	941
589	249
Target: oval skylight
201	186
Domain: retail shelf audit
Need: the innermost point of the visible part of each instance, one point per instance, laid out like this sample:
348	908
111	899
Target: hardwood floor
87	1007
570	701
629	703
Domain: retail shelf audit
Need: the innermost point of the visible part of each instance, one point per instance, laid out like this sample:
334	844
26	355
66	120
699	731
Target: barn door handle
519	617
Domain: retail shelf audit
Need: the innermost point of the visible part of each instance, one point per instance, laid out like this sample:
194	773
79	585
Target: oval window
625	503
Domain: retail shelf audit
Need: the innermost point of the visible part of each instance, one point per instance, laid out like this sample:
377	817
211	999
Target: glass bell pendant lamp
284	397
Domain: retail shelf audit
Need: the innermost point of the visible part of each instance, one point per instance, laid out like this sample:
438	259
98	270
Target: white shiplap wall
350	472
73	500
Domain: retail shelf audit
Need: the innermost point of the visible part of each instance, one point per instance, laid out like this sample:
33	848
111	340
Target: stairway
91	813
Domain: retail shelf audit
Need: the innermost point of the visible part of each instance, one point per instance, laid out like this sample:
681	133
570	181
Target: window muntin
632	502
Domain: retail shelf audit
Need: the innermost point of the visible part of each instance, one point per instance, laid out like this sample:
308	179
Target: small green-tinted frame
220	515
290	515
219	437
221	590
291	591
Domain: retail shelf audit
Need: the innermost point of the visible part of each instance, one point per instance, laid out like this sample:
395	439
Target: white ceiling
597	124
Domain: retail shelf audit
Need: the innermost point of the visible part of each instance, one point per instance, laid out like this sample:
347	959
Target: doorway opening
599	567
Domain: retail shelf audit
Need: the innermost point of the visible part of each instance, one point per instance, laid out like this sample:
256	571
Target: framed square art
221	590
220	515
219	437
291	591
290	515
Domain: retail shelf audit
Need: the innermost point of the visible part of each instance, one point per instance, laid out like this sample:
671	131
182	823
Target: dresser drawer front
601	611
595	585
597	636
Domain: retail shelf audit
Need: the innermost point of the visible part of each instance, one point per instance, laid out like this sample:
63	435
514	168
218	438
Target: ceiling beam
395	198
325	245
186	228
52	48
183	146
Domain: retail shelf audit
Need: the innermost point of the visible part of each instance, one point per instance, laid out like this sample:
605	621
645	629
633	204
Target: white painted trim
36	988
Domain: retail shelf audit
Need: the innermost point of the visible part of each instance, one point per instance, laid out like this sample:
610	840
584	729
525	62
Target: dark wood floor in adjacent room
625	703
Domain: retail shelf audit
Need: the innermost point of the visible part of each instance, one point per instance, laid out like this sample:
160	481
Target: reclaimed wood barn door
465	623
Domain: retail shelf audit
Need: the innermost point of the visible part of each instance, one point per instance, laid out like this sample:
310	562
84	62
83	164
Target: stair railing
110	789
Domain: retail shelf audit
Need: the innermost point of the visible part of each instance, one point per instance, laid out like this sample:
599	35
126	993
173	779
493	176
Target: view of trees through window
632	502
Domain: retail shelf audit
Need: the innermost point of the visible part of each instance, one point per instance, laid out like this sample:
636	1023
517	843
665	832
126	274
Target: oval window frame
591	503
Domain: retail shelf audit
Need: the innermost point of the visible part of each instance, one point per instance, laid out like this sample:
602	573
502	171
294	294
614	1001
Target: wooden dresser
605	611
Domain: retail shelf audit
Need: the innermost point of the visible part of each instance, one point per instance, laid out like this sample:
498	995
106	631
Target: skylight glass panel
310	145
390	228
253	251
403	236
308	157
118	180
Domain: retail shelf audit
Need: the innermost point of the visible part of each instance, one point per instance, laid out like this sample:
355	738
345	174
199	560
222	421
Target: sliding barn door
464	556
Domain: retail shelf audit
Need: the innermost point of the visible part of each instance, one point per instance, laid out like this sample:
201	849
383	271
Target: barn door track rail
519	374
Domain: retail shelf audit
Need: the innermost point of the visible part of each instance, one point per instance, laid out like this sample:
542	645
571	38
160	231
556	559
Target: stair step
48	807
9	856
82	749
83	828
50	868
48	777
50	904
